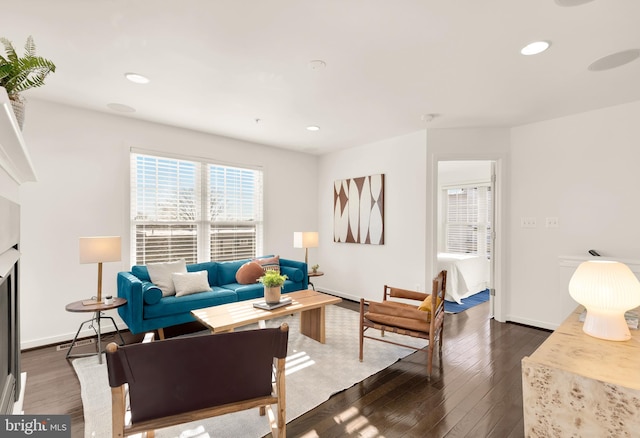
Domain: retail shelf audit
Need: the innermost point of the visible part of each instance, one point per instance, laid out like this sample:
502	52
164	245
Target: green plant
272	278
315	267
22	73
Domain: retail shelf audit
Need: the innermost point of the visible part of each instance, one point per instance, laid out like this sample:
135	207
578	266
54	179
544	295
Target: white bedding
466	275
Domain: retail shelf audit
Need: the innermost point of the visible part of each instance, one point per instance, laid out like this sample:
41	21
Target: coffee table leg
312	324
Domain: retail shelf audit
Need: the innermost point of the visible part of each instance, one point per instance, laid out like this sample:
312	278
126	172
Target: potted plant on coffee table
18	74
272	281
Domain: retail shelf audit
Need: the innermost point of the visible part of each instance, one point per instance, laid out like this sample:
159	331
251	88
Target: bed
466	275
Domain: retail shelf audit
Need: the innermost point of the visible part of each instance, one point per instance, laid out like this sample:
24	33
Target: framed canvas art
358	210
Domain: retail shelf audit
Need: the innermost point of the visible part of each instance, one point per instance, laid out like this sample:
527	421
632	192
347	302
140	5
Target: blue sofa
147	309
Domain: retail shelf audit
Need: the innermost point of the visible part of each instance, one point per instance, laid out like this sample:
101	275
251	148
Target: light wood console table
578	385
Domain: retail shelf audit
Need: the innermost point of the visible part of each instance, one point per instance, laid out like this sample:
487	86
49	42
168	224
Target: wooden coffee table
308	303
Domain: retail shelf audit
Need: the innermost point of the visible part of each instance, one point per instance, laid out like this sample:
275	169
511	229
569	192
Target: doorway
465	222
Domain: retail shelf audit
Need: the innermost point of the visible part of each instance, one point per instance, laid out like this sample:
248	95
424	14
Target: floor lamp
306	240
99	250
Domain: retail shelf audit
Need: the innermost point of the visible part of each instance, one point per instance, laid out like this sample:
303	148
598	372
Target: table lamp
306	240
99	250
607	289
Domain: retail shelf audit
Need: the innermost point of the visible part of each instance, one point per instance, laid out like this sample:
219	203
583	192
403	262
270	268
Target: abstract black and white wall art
358	210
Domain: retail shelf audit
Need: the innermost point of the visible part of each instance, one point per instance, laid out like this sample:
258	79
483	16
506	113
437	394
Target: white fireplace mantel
14	157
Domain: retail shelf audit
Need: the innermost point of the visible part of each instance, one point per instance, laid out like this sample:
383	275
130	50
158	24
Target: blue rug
467	303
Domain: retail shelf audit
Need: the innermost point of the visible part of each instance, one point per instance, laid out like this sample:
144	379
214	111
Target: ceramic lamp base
606	325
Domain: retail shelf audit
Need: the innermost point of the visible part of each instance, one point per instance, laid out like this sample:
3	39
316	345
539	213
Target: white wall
8	187
359	270
460	173
82	162
582	169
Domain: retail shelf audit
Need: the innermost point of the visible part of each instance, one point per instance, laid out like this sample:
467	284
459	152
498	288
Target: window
468	220
196	210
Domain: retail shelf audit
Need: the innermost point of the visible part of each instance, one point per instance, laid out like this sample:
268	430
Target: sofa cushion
398	321
141	272
249	291
293	274
151	294
161	275
179	305
398	310
187	283
269	263
227	271
253	291
249	273
399	315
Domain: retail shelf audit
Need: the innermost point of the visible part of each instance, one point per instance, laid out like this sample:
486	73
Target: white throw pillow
160	275
190	282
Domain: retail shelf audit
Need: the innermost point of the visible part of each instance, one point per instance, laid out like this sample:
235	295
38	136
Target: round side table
95	322
314	274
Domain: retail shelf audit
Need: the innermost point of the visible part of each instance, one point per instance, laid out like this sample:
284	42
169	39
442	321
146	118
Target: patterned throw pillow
270	263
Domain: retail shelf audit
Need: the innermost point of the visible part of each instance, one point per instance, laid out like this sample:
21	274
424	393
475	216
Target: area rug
467	303
314	372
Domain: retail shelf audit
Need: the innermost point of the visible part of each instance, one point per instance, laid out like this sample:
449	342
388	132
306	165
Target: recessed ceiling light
137	78
535	48
121	108
317	64
313	128
572	2
614	60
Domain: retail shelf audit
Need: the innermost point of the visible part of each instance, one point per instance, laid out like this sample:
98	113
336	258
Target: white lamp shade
100	249
607	289
305	239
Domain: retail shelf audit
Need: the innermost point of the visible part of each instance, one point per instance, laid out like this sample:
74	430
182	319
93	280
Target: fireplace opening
9	343
9	306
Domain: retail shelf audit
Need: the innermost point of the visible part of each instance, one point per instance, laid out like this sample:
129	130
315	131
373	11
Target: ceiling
242	68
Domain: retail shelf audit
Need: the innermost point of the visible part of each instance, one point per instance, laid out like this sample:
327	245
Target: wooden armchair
186	379
417	320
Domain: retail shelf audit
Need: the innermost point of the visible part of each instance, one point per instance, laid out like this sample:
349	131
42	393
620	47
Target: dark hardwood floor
475	390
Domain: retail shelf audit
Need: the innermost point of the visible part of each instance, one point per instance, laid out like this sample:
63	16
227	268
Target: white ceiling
218	65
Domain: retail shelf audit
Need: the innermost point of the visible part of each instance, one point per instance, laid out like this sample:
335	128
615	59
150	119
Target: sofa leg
160	333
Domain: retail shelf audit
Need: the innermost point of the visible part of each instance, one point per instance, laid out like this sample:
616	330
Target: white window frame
202	221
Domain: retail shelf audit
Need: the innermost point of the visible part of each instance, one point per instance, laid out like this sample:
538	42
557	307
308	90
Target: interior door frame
499	262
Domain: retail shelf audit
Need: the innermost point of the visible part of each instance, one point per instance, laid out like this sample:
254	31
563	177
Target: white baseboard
68	337
17	406
534	323
339	294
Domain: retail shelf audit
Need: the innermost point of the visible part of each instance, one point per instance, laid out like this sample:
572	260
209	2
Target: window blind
468	220
235	212
194	210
